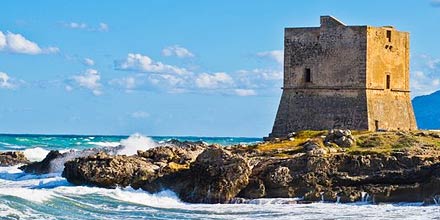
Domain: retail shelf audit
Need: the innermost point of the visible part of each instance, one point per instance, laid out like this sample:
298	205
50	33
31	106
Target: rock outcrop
315	166
12	158
43	166
345	178
112	171
217	176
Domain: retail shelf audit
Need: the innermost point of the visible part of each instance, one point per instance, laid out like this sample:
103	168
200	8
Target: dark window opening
308	76
389	36
376	125
388	81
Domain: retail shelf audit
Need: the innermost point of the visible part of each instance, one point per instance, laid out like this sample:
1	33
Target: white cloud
178	51
17	43
245	92
75	25
2	40
142	63
103	27
68	88
165	80
140	115
5	81
88	62
89	80
156	76
213	81
425	77
128	83
276	55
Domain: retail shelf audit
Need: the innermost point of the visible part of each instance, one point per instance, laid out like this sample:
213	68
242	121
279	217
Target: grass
291	146
366	143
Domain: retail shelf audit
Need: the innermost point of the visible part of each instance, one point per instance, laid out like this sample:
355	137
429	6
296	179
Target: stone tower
339	76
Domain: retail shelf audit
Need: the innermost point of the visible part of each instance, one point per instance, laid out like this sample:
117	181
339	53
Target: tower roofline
327	20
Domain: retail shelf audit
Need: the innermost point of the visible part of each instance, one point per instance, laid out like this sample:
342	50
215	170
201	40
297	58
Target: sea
50	196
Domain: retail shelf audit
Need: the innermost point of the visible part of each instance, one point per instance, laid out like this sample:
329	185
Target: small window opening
308	76
376	125
389	36
388	81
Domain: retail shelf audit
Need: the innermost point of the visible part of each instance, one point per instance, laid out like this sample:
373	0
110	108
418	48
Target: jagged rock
281	176
384	178
342	138
182	154
108	171
111	171
43	166
216	176
12	158
313	148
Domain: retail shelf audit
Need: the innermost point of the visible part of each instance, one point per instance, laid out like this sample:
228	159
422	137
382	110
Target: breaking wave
136	142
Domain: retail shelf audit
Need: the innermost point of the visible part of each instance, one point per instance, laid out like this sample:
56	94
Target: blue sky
204	68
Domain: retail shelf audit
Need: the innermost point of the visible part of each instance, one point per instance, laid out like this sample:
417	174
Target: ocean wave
136	142
34	195
35	154
104	143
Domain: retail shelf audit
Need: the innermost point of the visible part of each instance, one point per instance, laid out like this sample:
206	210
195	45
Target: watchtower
339	76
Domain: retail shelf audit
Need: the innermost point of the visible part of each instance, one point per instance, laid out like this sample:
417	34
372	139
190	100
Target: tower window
389	36
388	81
308	75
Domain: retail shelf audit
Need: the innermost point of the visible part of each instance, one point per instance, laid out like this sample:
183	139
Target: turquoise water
63	142
49	196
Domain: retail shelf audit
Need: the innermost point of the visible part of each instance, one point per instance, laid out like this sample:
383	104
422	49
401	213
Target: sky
173	67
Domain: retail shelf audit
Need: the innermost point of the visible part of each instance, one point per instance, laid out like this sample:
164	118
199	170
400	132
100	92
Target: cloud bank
17	43
156	76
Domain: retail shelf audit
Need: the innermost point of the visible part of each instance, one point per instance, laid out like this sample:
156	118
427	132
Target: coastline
383	167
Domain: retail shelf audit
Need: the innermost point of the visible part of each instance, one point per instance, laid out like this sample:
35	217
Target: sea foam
35	154
136	142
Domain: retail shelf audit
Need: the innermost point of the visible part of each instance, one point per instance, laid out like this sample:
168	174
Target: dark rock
12	158
108	171
200	174
111	171
43	166
216	176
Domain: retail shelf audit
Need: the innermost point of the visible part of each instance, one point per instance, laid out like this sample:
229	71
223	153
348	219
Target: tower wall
319	110
334	95
388	94
338	76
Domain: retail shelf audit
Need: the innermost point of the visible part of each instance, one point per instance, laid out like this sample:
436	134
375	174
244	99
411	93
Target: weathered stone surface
350	77
342	138
111	171
216	176
393	178
108	171
12	158
219	175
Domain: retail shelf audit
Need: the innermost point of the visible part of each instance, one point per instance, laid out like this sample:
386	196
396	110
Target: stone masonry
339	76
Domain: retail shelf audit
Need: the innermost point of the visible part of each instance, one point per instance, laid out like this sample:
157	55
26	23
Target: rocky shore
332	166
